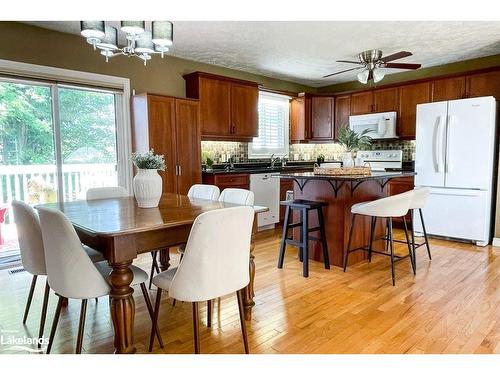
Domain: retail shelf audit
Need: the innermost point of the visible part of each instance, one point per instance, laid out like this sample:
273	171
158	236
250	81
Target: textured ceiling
303	52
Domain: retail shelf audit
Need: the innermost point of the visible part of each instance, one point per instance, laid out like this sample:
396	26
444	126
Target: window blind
274	113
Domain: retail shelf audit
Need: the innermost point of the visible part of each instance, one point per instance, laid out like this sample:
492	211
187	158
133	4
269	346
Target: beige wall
434	71
34	45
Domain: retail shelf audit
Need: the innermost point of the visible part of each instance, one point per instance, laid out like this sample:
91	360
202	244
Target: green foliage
148	160
353	141
87	124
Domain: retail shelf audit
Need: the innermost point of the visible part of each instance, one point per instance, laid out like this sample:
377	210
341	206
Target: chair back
420	196
216	257
30	239
201	191
237	196
70	271
393	206
106	192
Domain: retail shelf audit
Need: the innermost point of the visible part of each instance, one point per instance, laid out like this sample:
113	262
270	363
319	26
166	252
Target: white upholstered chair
389	207
106	192
202	191
71	273
237	196
215	264
30	240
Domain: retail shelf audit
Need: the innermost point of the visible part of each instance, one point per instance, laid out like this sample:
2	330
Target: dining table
120	230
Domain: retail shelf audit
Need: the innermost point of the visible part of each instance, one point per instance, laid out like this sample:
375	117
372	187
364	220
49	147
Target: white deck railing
77	178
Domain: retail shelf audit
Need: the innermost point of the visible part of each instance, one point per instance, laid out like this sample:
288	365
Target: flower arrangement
148	160
353	141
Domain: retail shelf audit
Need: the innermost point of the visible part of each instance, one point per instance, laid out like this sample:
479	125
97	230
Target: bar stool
389	207
304	206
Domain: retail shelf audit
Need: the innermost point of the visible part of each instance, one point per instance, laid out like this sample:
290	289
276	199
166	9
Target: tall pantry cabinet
170	126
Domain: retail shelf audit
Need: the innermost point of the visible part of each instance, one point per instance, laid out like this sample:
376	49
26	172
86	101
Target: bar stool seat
389	207
304	206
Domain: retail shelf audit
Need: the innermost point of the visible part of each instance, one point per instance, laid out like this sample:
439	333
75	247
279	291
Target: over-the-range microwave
382	125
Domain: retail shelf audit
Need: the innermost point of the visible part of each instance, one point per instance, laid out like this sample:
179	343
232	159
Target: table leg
164	259
248	291
122	307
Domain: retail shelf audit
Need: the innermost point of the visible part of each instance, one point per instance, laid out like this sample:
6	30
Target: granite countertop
375	175
248	168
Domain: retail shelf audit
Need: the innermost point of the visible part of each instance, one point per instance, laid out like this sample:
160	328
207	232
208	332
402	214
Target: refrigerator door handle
438	142
449	165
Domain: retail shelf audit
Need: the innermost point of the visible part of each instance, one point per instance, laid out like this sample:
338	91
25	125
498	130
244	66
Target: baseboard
496	242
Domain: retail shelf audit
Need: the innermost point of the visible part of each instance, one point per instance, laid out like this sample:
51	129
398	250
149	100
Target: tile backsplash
220	151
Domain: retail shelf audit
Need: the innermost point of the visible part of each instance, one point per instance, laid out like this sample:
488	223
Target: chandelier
140	43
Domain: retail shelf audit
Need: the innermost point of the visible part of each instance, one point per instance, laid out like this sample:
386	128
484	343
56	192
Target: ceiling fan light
109	42
163	33
378	75
92	29
363	76
133	27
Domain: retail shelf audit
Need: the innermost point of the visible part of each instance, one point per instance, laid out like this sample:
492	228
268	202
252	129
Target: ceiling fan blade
401	66
350	62
396	56
343	71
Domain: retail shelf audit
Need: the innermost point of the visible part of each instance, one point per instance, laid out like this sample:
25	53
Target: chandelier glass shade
140	42
363	76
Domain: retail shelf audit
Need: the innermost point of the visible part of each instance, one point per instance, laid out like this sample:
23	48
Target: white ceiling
304	52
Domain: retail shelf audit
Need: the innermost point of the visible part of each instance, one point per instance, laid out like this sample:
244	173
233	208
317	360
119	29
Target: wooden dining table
120	230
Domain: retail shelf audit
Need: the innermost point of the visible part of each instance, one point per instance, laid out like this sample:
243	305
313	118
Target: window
274	114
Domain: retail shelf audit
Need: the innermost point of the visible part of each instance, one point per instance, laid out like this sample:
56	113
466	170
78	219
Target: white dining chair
418	202
30	240
197	191
388	208
215	264
237	196
71	273
106	192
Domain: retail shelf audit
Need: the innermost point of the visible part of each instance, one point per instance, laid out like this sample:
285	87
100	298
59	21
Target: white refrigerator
455	157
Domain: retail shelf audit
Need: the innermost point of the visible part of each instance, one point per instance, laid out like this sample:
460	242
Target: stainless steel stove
380	160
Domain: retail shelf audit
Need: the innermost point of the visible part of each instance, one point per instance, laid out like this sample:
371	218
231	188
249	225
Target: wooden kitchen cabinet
483	84
386	100
409	97
228	107
298	131
448	89
322	114
362	103
228	180
342	112
244	111
170	126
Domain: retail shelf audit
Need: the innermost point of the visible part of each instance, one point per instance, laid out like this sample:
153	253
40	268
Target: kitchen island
341	192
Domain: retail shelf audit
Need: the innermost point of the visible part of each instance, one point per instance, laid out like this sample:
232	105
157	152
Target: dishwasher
267	193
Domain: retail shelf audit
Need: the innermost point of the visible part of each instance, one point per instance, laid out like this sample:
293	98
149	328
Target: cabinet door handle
180	170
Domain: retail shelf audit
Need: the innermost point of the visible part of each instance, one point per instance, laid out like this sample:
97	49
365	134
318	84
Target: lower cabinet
398	186
228	180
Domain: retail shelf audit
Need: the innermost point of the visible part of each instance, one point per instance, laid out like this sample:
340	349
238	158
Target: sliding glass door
56	142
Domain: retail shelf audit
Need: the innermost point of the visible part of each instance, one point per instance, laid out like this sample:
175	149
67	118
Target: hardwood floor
452	305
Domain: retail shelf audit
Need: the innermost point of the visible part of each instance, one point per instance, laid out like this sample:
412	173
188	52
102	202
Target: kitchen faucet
274	160
230	163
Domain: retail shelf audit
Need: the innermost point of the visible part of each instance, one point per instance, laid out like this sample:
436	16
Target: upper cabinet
386	100
298	131
484	84
448	89
342	112
322	112
409	97
312	118
362	102
228	107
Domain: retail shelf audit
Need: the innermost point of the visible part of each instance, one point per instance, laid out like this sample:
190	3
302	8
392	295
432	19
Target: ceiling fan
372	62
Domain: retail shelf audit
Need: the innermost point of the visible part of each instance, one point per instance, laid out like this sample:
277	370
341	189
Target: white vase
147	188
347	160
